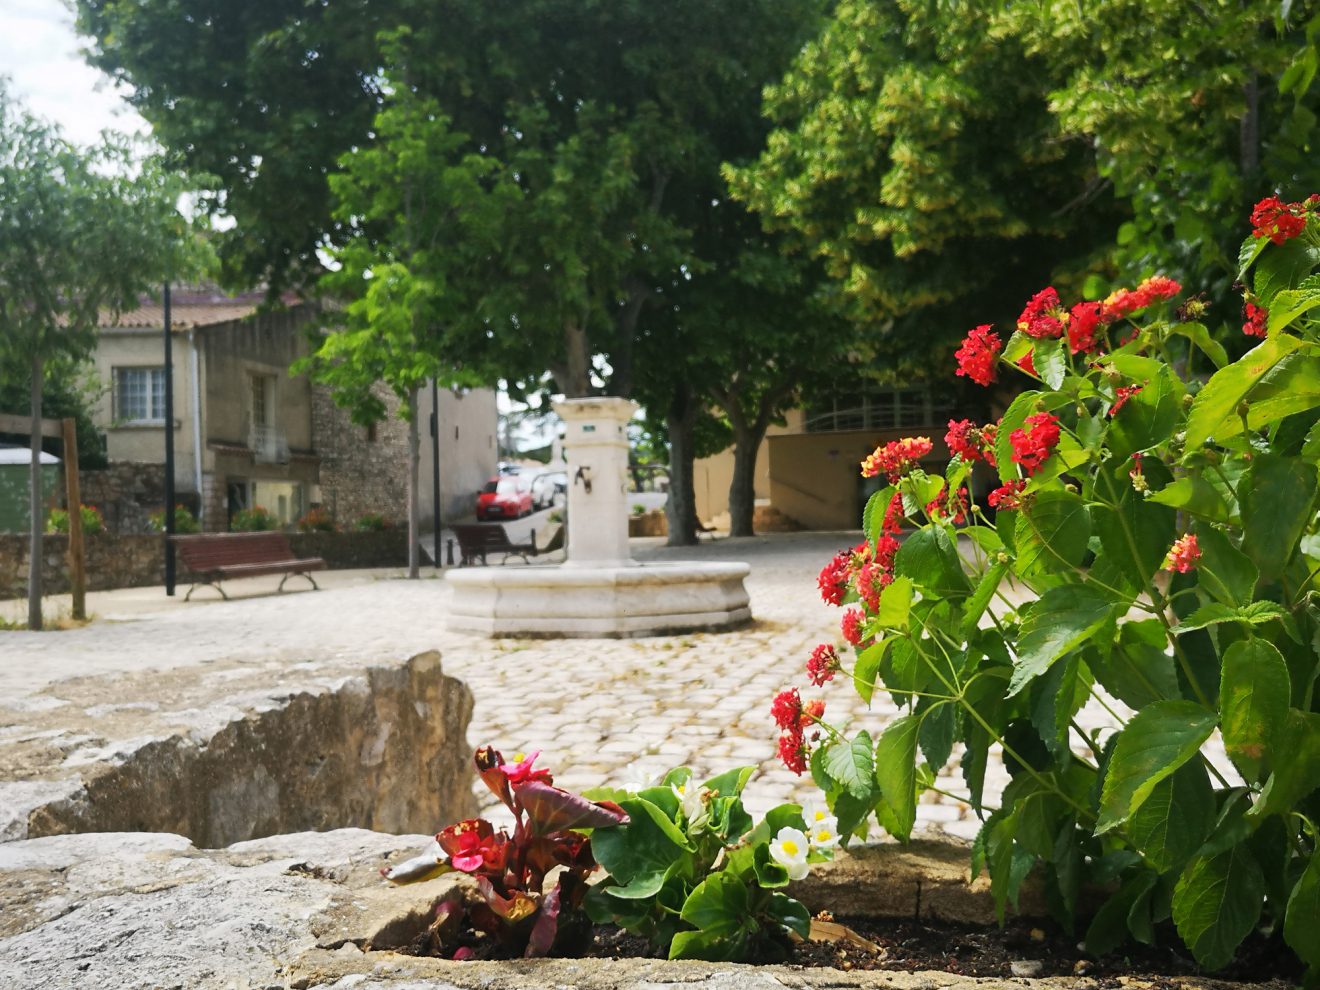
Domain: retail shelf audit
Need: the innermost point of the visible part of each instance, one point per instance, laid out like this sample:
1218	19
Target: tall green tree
81	231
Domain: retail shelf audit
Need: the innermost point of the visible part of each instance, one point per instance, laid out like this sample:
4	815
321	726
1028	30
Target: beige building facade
249	432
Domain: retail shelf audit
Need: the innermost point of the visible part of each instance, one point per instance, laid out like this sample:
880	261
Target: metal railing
268	445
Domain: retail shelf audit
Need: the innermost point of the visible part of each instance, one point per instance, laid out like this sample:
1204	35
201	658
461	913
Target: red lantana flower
1277	220
976	357
896	458
971	442
1007	496
793	751
1044	316
949	507
1127	301
833	579
893	521
823	662
1183	555
1033	446
1087	320
1257	320
1121	395
851	627
885	548
812	711
786	709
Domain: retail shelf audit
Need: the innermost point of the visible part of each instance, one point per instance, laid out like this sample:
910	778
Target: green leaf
867	667
873	515
646	847
1052	534
1296	777
1109	927
1218	401
1157	741
708	946
1282	267
718	906
896	772
1137	534
895	604
1200	336
975	606
1195	495
1014	416
1063	692
1050	361
1276	509
1248	253
790	914
1289	304
939	726
1224	570
1063	618
931	560
1149	417
1208	615
730	783
1138	671
1171	824
1299	924
851	764
1217	903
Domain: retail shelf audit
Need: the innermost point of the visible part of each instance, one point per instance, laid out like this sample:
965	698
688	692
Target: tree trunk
742	489
38	520
1249	135
577	362
681	509
414	508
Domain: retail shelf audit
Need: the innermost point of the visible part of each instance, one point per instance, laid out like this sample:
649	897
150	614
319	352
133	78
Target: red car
504	498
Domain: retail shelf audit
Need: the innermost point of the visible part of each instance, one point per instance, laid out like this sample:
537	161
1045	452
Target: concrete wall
815	478
711	476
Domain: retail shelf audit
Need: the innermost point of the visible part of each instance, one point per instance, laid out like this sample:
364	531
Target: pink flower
1183	555
522	771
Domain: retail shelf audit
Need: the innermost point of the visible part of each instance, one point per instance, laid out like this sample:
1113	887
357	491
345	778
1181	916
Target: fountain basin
599	600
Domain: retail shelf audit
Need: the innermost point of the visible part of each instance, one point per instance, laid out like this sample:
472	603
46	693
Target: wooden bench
215	557
475	540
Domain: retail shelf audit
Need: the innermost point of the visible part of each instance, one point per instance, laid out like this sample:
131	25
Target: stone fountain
599	590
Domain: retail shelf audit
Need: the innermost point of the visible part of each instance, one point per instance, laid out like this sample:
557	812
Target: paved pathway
602	711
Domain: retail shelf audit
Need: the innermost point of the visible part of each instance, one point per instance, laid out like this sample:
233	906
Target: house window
263	389
140	395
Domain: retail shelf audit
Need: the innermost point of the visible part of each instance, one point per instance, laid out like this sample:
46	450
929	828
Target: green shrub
317	520
1155	541
253	520
372	522
92	520
184	521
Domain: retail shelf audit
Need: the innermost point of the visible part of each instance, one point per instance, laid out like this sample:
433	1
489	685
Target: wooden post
73	495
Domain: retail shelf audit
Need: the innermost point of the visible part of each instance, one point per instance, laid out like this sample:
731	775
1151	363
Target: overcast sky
39	53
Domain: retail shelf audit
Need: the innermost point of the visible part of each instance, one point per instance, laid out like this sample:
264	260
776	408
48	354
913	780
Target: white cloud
41	54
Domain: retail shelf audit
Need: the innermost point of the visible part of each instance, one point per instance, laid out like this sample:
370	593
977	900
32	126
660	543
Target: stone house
248	432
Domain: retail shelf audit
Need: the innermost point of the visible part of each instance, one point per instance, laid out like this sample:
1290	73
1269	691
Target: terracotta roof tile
193	307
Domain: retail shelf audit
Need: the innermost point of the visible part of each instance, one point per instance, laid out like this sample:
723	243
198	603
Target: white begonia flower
816	812
789	849
824	834
692	799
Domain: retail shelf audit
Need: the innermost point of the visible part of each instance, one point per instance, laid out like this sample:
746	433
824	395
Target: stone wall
112	562
127	492
363	469
138	561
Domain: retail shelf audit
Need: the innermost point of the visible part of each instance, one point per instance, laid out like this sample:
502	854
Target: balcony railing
268	445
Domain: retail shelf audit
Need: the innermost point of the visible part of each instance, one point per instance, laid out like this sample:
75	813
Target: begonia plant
1150	547
694	875
552	832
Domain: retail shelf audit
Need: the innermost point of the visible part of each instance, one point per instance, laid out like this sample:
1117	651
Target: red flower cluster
1257	320
1044	316
823	662
1121	395
893	520
971	442
949	507
976	357
1007	496
792	717
896	458
1032	447
833	579
851	627
1279	221
1127	301
1086	320
1183	555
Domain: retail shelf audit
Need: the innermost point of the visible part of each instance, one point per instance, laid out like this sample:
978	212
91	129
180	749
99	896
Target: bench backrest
207	551
478	537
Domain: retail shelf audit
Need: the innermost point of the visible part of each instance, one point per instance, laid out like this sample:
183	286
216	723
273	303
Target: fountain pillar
596	448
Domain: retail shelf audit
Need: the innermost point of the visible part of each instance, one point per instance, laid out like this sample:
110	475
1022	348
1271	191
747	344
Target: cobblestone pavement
602	711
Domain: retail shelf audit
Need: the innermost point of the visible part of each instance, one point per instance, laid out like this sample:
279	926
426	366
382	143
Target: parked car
508	497
549	489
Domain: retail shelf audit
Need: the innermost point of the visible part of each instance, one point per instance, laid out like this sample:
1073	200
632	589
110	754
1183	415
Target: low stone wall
139	561
112	562
127	493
